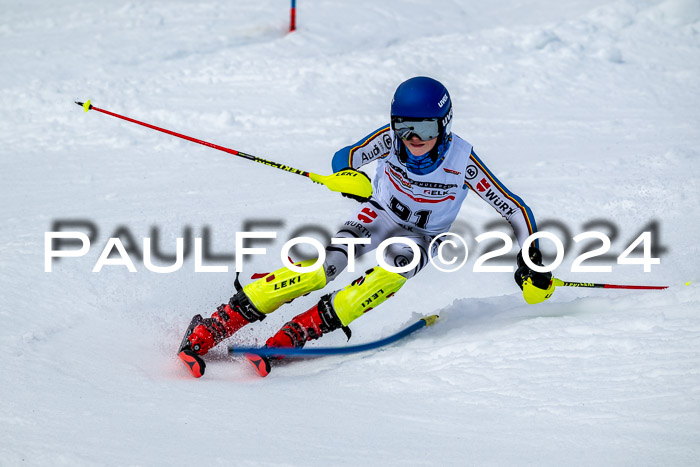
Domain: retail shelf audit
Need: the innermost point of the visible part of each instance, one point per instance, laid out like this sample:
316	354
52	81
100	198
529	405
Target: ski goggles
425	128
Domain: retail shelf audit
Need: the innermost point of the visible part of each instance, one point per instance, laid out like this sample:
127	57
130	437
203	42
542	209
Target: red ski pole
345	181
561	283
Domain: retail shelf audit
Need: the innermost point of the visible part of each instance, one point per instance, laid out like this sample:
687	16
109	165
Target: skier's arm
536	286
482	181
373	146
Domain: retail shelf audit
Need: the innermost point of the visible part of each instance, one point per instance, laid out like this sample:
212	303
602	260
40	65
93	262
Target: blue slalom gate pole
318	351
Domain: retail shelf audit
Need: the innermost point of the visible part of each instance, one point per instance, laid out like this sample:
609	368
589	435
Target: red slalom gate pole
293	16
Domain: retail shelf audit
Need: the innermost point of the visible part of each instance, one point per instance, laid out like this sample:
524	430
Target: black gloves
540	280
359	199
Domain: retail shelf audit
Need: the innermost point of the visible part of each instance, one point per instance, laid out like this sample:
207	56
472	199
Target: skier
423	175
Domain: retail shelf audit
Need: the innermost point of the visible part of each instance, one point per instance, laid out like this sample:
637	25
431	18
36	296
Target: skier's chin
417	149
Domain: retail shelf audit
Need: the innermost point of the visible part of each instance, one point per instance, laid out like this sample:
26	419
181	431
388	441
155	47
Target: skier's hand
359	199
536	286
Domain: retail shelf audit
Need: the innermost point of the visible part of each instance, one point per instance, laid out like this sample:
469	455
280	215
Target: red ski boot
204	333
310	325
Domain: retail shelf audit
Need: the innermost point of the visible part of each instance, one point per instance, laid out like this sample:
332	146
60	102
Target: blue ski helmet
423	98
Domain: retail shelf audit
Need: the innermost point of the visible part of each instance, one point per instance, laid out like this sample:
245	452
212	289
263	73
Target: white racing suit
404	204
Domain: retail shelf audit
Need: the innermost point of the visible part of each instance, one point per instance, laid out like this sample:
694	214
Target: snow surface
587	109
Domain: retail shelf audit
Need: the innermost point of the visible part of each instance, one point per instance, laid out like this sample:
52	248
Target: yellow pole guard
534	295
345	181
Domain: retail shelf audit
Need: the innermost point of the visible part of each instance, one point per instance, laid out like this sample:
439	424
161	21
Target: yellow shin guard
284	285
366	293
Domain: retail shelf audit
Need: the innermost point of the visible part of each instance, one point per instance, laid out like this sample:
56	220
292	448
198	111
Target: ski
261	364
194	362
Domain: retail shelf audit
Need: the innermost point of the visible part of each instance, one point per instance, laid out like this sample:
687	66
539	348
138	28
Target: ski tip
85	105
430	320
260	364
193	361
